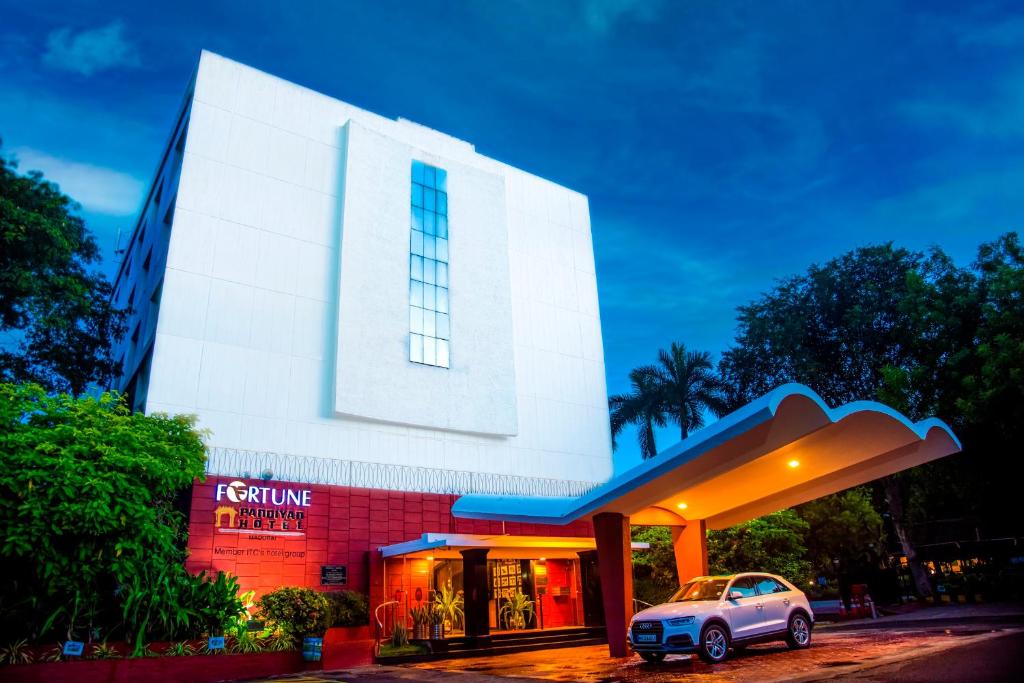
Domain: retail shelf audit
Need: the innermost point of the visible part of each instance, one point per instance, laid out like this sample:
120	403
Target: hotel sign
261	511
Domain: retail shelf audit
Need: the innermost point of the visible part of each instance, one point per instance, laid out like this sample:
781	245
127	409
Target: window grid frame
429	267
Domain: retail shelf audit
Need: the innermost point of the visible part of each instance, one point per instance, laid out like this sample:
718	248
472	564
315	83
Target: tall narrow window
429	326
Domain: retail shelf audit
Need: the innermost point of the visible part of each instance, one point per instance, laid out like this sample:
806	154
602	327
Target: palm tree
681	388
641	407
690	387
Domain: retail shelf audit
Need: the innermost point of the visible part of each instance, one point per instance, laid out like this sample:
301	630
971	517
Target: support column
615	564
690	544
376	569
474	584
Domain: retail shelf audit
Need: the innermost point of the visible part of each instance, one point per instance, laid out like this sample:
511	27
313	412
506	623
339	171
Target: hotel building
394	345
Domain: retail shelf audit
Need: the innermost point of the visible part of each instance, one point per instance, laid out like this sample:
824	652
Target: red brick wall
341	526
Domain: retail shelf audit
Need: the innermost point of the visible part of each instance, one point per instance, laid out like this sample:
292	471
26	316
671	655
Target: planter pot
312	649
437	631
420	631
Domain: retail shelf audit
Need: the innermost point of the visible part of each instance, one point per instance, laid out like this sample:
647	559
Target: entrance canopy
785	448
500	546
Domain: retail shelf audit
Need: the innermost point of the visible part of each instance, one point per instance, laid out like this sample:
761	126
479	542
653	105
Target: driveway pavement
833	655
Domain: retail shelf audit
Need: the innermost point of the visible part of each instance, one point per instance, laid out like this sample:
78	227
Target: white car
710	614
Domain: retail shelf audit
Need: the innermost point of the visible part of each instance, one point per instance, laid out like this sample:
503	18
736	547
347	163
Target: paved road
988	661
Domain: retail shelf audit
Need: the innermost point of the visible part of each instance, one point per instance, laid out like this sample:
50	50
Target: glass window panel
442	226
442	250
417	244
442	299
428	246
416	320
441	179
428	272
443	330
442	274
429	297
428	176
430	223
417	196
442	353
428	199
416	294
416	348
417	218
429	350
429	324
442	203
416	268
417	172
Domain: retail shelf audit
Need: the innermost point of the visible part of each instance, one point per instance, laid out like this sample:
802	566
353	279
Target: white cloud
96	188
91	51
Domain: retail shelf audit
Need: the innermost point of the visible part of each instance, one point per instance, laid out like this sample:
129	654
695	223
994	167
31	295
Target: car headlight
681	621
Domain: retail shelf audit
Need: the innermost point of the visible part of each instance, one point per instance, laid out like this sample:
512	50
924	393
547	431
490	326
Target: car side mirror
735	595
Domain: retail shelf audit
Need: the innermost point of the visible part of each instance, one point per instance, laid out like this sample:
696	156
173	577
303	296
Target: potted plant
450	604
437	617
299	613
517	611
420	622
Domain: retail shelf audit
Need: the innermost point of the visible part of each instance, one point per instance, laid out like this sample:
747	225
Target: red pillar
376	571
615	566
690	544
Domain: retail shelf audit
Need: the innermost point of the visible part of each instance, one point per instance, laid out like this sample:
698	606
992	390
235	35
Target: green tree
55	311
878	323
654	570
773	543
681	388
843	530
91	535
642	407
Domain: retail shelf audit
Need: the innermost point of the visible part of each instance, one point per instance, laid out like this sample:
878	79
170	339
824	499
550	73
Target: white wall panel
259	336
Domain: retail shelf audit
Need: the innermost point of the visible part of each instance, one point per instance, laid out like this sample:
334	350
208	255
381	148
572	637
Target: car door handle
786	602
760	605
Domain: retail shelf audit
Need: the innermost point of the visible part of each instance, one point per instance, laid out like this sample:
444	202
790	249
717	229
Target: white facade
284	321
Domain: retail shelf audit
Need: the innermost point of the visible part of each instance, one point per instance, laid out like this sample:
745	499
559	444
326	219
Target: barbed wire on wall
247	464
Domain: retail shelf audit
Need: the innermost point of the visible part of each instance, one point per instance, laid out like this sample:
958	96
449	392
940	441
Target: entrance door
746	613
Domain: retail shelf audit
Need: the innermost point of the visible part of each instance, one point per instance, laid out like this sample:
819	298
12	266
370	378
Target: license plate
647	637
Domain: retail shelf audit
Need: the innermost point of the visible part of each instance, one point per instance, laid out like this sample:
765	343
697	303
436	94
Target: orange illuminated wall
561	594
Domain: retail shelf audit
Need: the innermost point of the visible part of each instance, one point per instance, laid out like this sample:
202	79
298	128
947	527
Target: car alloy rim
714	642
800	632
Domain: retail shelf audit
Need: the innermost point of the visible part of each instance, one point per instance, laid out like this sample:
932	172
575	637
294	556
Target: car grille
644	627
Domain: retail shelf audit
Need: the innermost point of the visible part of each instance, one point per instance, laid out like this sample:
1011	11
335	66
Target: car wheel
714	644
798	636
652	657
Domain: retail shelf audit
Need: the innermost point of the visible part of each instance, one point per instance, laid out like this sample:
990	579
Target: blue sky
722	144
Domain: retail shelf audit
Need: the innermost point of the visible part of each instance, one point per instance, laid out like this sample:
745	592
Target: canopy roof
501	546
783	449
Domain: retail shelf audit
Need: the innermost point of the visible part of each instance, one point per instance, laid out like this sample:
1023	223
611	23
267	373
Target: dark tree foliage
915	331
56	318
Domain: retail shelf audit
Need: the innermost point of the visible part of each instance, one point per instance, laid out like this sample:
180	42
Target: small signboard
333	575
73	648
215	643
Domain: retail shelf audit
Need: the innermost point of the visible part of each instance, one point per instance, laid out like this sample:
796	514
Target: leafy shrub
16	653
180	649
400	635
348	608
298	612
88	516
105	651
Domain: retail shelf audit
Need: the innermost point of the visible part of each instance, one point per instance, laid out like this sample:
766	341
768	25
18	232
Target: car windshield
701	589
